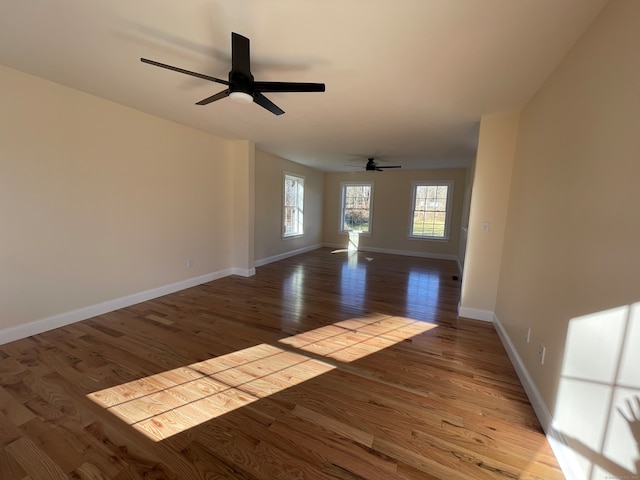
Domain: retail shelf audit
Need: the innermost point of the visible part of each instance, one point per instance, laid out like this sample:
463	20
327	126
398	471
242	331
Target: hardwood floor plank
34	461
10	468
97	458
323	447
215	466
11	371
89	471
321	366
328	423
9	432
50	441
15	411
278	463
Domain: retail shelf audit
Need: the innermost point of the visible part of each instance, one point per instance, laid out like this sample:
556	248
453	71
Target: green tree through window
430	212
356	207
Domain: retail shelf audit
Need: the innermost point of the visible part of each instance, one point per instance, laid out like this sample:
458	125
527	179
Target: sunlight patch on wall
600	382
176	400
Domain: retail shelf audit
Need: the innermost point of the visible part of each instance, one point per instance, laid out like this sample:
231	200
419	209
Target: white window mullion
293	206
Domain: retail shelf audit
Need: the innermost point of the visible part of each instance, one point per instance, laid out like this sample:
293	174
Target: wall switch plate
528	337
541	351
189	262
485	227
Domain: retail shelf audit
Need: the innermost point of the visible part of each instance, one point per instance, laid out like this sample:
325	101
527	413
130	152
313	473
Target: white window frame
343	190
448	208
298	207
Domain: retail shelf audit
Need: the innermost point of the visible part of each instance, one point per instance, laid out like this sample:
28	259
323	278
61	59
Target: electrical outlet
541	351
189	262
528	337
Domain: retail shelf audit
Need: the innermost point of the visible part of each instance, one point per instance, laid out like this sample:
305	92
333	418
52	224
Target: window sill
429	239
361	234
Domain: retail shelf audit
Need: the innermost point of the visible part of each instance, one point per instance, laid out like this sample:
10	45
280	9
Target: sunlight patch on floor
356	338
173	401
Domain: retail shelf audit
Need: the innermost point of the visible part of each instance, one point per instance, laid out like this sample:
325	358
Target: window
293	208
431	209
356	207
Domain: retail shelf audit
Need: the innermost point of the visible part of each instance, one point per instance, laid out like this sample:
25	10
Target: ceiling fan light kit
241	97
242	88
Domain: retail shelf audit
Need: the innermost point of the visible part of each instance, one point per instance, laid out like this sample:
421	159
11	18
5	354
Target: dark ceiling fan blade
263	101
182	70
241	84
288	87
240	60
372	165
213	98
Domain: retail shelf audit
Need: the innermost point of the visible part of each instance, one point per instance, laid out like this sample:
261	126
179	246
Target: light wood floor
321	366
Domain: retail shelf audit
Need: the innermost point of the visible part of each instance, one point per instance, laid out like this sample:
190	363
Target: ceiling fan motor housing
373	166
239	82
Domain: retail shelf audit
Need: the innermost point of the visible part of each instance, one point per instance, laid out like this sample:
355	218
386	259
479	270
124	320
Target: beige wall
99	201
464	221
392	210
242	236
571	260
269	243
492	178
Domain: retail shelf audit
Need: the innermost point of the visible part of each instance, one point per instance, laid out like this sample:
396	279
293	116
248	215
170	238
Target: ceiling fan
241	85
372	165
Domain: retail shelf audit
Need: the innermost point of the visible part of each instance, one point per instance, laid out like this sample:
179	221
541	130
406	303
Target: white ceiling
406	80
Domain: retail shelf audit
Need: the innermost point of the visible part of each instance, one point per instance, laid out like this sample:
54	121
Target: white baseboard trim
66	318
475	314
564	454
282	256
406	253
243	272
